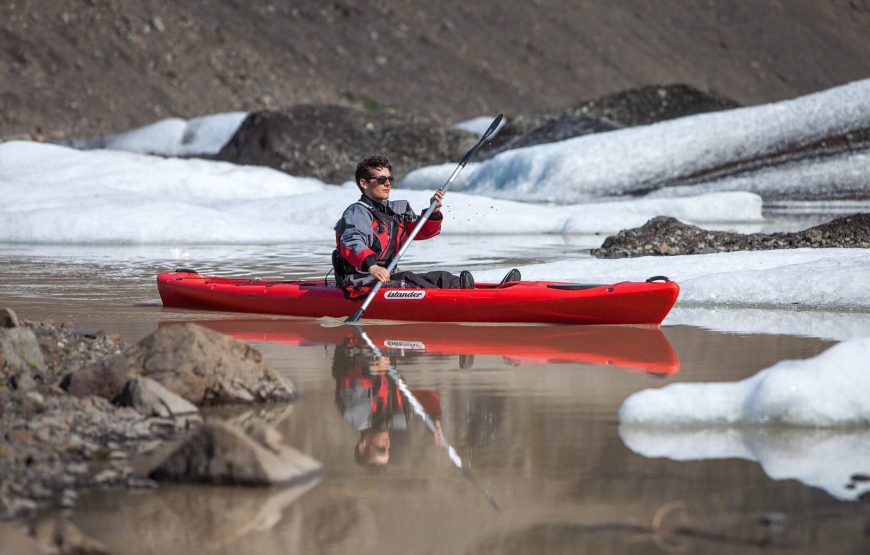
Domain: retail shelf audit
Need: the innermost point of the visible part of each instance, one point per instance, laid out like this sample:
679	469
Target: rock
668	236
627	108
219	453
33	402
207	368
8	318
152	399
327	141
20	347
105	378
22	381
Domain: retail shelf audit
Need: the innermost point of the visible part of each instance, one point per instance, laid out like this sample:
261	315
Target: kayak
627	302
643	348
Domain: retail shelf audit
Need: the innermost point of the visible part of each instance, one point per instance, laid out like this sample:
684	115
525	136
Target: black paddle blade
492	127
486	134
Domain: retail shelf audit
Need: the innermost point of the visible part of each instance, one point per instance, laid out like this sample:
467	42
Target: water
531	410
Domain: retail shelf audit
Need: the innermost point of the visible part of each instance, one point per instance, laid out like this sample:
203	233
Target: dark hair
363	169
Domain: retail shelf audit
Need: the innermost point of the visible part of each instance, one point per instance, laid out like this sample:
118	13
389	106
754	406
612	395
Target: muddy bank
82	409
80	68
670	237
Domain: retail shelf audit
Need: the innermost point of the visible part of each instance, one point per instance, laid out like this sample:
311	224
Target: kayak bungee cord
421	412
425	217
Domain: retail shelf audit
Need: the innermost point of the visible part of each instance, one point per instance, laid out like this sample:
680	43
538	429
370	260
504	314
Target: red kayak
549	302
643	348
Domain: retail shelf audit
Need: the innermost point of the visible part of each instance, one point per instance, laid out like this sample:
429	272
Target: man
373	229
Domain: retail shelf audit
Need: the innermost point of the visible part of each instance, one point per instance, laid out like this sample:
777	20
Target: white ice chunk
173	136
829	390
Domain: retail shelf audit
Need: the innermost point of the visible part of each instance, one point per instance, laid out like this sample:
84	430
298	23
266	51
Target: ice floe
172	136
828	390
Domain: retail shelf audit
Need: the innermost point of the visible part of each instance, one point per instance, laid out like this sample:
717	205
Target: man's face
375	190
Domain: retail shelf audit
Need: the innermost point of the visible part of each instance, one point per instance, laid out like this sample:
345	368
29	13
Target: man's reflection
370	400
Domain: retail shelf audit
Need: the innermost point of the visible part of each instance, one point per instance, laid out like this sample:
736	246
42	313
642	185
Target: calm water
531	410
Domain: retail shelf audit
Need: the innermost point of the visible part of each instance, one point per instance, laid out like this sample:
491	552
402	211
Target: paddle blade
489	131
493	126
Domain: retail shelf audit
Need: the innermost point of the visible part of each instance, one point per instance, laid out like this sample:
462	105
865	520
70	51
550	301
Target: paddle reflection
633	348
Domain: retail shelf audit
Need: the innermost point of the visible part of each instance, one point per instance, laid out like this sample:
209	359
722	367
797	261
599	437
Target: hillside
90	67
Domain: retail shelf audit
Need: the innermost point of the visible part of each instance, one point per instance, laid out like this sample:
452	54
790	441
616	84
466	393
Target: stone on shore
220	453
105	378
152	399
668	236
20	348
8	318
201	365
208	368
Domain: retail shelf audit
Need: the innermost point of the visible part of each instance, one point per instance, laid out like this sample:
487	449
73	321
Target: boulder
327	141
152	399
207	368
200	365
627	108
19	347
666	236
8	318
105	378
220	453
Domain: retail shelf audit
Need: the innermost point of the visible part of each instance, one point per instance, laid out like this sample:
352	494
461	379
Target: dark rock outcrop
668	236
628	108
327	141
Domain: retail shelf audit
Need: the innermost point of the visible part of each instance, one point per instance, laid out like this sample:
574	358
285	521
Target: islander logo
405	295
404	345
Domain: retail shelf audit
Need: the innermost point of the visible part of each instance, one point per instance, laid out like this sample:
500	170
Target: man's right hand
380	273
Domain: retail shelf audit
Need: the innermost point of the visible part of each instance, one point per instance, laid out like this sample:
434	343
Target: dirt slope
88	67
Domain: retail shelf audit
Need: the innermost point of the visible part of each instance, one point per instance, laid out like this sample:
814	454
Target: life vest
389	232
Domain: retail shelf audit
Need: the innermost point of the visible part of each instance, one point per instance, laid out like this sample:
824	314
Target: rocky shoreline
81	409
666	236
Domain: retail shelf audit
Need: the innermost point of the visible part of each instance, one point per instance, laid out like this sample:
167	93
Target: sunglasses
381	179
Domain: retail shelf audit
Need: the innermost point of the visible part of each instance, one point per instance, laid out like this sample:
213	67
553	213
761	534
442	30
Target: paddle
425	217
421	412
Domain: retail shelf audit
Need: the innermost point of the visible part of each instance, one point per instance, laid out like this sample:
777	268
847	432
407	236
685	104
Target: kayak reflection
634	348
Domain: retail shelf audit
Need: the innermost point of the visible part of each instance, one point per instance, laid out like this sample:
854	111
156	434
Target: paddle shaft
425	217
